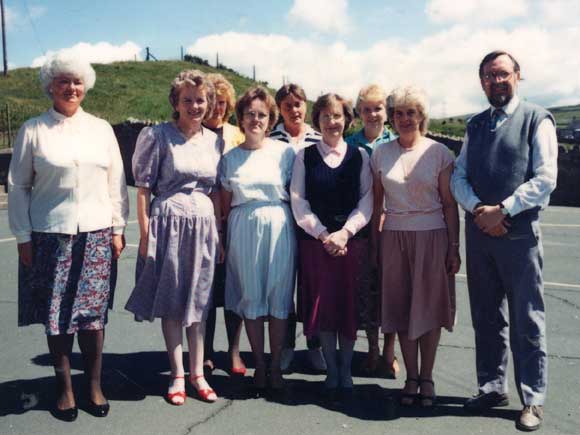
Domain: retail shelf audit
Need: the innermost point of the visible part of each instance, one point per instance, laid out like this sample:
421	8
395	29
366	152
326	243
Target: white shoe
316	359
286	358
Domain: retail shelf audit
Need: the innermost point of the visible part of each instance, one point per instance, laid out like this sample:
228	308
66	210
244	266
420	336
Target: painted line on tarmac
559	225
546	283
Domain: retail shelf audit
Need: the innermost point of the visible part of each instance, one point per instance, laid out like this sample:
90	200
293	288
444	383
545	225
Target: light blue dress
261	244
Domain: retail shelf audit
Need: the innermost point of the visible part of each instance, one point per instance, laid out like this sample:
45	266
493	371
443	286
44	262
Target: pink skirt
417	294
329	287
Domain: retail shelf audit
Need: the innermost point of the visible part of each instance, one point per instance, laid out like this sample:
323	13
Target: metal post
254	73
182	53
4	38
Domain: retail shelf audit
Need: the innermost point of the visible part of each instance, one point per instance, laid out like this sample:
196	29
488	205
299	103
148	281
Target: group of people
364	230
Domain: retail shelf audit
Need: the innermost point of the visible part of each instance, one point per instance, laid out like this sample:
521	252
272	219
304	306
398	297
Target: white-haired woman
68	208
419	239
371	107
177	162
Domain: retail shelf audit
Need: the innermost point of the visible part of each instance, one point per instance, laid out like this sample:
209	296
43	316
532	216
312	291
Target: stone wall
567	192
568	189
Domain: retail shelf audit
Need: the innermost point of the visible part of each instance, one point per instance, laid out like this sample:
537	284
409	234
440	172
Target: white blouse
333	157
66	176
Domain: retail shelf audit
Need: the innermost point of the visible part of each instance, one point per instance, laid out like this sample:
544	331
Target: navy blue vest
501	160
333	193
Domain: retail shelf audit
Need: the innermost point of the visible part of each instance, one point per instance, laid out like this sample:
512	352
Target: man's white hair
62	63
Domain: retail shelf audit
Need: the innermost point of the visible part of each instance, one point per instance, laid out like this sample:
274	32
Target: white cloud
322	15
560	12
494	11
101	52
445	64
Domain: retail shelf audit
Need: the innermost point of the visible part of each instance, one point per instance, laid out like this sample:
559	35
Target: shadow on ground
135	376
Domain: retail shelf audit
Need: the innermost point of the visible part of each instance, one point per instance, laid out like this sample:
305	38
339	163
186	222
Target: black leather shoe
98	410
484	401
69	414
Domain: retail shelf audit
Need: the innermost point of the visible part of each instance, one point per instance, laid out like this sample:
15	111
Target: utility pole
254	73
4	38
182	53
217	60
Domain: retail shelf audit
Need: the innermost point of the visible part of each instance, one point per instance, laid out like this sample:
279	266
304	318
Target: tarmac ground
136	370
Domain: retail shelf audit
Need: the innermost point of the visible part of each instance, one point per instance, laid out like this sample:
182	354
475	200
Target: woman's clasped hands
335	243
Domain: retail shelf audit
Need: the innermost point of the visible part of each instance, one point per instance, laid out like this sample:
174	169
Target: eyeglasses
333	117
251	114
501	76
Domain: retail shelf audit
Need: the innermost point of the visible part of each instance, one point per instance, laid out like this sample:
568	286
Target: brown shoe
531	418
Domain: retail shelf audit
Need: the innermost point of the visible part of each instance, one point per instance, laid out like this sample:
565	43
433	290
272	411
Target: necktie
496	118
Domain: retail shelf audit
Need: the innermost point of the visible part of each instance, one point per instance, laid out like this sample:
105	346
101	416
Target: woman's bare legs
234	331
372	359
60	347
389	354
173	334
277	334
195	335
255	331
410	351
428	344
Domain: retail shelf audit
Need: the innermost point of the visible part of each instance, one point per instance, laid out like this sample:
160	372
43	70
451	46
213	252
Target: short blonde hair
409	95
259	93
195	79
224	88
371	92
327	100
63	63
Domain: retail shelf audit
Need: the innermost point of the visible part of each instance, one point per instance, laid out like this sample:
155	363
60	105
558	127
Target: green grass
456	126
123	90
139	90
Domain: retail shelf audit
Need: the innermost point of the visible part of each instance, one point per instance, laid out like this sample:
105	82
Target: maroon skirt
329	287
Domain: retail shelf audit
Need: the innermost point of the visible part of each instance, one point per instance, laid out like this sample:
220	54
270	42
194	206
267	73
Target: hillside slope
122	90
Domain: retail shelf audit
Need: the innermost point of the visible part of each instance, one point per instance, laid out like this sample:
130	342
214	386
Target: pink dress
417	293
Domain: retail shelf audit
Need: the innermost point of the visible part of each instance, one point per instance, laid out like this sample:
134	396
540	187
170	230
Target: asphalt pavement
136	370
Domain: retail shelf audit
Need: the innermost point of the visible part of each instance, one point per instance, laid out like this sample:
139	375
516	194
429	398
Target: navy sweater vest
333	193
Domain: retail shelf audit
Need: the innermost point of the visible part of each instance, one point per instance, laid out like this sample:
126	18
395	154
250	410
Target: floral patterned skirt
69	286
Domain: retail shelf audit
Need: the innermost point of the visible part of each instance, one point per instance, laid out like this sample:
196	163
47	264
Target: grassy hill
139	90
122	90
455	126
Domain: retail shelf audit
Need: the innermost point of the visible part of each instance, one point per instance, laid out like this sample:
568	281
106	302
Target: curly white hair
62	63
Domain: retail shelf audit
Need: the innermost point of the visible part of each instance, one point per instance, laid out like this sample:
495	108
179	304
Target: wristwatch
504	210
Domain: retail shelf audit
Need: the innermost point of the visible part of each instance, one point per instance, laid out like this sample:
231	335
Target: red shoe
204	394
181	394
238	371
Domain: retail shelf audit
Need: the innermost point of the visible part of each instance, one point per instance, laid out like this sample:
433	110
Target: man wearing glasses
503	177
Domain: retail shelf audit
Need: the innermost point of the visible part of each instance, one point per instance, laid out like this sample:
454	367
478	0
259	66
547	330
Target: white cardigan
66	176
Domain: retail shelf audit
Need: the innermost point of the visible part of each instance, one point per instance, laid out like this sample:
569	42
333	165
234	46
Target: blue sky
325	45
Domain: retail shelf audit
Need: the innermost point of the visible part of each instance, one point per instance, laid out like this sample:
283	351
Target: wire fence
6	130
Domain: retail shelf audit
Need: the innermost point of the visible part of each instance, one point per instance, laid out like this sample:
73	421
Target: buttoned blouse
333	157
66	176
